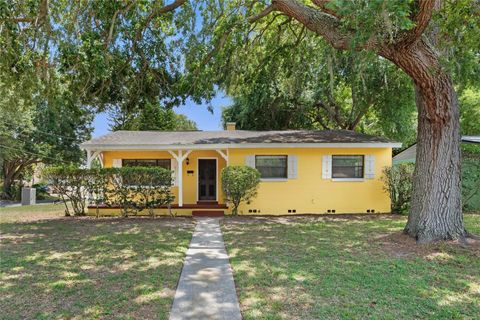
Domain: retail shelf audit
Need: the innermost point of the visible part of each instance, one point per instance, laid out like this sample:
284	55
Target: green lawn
32	213
349	268
87	268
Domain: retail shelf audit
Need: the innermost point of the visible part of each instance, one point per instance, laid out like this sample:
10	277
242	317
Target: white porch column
180	157
89	159
223	154
180	178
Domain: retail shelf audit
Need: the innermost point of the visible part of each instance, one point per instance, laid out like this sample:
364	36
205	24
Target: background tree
57	57
470	111
291	79
182	123
150	117
47	128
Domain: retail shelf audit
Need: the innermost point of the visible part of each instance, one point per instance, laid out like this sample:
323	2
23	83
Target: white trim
216	176
101	160
327	166
89	159
147	147
348	179
273	179
292	166
369	166
224	155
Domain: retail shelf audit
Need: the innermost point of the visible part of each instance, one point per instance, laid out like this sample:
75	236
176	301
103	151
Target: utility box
28	196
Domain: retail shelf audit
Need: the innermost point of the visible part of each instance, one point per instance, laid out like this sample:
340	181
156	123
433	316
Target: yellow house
302	172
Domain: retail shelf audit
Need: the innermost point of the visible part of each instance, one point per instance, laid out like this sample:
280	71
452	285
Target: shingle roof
181	138
407	155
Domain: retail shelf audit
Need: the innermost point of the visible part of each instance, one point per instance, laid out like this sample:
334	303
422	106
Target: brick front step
207	213
207	202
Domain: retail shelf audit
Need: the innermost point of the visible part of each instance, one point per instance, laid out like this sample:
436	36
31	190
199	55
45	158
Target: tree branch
164	9
112	23
262	14
219	45
424	12
156	13
321	23
322	4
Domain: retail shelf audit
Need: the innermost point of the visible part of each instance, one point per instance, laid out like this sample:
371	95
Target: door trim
216	175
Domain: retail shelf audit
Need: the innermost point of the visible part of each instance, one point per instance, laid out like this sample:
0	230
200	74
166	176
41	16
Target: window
164	163
347	167
271	167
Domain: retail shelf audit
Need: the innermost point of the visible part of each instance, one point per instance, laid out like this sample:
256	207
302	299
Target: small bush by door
239	184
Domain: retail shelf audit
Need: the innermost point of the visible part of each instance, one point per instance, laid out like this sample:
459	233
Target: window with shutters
272	167
348	166
164	163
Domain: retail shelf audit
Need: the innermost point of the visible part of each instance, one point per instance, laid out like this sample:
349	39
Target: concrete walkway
206	289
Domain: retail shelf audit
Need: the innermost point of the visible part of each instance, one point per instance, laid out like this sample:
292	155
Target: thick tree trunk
8	179
7	188
436	211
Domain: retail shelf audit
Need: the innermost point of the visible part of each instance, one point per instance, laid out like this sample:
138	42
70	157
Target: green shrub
239	184
138	188
398	183
131	188
154	189
69	183
96	185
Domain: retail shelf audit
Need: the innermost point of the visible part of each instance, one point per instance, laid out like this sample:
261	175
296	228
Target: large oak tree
426	39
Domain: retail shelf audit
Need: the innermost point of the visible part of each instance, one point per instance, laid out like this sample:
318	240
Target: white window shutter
369	166
173	166
250	161
292	167
117	163
327	167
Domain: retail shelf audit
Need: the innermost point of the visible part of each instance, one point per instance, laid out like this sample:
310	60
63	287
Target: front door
207	179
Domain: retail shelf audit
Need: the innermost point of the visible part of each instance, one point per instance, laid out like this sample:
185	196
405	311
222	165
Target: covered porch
196	176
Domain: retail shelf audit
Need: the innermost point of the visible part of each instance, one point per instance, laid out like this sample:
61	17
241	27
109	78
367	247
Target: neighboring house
408	155
302	172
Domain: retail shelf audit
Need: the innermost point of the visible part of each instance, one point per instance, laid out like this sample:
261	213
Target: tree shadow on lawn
323	267
88	268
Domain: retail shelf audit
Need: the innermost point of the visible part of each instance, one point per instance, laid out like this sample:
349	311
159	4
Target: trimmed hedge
131	188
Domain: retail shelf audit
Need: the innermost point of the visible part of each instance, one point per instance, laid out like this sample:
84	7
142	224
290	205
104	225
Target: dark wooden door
207	179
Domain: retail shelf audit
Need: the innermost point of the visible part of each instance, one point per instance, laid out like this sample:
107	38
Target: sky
198	113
